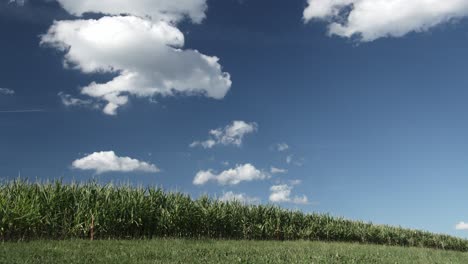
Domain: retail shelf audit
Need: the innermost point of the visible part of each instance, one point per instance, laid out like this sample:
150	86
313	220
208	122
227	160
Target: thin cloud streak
22	111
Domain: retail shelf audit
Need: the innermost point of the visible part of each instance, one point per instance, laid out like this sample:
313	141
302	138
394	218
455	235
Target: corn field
31	211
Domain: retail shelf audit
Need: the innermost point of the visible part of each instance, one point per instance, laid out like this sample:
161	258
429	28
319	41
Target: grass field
217	251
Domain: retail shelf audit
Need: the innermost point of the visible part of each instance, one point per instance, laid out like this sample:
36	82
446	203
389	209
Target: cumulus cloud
167	10
239	197
6	91
141	45
274	170
281	147
108	161
232	134
241	173
146	56
282	194
373	19
461	226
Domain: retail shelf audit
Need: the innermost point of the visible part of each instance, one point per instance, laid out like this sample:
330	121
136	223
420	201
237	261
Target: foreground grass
211	251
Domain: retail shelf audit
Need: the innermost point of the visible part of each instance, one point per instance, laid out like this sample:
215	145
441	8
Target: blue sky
368	105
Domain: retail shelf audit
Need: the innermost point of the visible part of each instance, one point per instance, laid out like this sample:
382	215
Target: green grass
58	211
206	251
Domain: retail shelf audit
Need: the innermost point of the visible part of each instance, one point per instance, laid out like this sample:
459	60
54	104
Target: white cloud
282	194
205	144
241	173
274	170
373	19
282	147
461	226
71	101
144	50
295	182
108	161
167	10
232	134
18	2
291	160
239	197
6	91
300	200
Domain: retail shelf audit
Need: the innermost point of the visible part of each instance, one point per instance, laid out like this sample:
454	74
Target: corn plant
58	211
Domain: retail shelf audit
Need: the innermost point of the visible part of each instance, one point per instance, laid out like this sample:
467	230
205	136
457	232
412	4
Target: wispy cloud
70	101
274	170
291	160
281	147
295	182
18	2
23	111
6	91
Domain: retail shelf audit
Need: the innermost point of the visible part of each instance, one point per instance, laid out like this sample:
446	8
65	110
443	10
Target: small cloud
153	100
232	134
239	197
108	161
295	182
281	147
291	160
70	101
204	144
274	170
282	194
300	200
240	173
6	91
461	226
18	2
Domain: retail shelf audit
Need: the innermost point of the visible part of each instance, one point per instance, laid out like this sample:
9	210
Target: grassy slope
209	251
